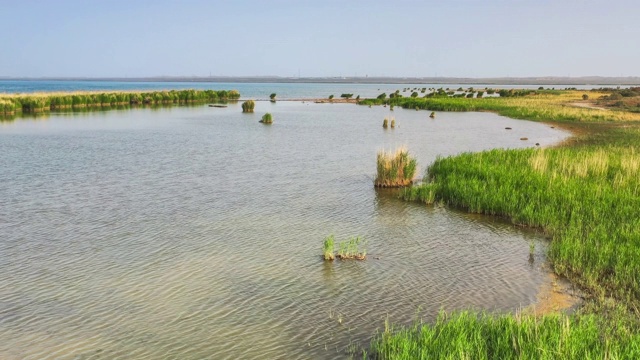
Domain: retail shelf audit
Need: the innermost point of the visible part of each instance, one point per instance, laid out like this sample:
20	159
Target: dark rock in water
508	128
537	144
553	127
217	106
524	138
433	115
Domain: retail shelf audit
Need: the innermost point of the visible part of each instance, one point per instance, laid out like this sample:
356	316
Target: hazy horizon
464	39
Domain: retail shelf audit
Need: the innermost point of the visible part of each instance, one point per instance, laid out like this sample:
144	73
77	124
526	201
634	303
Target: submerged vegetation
584	195
352	248
11	104
395	169
248	106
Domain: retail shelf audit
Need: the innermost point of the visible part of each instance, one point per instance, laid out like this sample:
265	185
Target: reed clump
327	248
267	119
7	107
395	169
385	123
248	106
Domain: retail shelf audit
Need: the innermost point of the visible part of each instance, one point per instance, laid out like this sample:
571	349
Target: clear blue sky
466	38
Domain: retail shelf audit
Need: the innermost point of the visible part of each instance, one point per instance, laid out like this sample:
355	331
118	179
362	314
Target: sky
445	38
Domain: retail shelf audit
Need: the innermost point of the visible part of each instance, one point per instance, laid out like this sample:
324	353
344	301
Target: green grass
41	102
248	106
539	106
395	169
327	248
352	248
585	196
587	199
468	335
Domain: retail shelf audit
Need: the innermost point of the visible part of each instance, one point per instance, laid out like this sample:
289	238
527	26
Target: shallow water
196	232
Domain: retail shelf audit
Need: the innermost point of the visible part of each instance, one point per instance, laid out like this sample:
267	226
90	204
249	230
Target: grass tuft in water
395	169
248	106
327	248
267	119
352	248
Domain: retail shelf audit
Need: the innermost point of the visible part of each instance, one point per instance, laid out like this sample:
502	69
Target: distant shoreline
542	81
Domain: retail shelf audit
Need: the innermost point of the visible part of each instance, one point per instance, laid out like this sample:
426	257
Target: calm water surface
196	232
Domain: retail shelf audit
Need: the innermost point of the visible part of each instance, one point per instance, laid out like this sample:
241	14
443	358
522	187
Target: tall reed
39	102
395	169
468	335
248	106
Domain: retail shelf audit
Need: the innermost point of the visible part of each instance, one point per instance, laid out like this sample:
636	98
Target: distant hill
546	80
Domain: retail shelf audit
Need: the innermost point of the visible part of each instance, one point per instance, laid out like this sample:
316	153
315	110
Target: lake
196	232
248	90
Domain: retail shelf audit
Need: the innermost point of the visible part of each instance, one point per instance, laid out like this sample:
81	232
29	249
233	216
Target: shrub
414	94
272	96
382	96
585	97
330	97
346	96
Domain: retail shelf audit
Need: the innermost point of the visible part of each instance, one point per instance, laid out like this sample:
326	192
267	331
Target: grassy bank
543	106
585	195
468	335
11	104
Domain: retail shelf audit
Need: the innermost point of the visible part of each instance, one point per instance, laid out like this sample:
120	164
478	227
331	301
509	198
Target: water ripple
191	233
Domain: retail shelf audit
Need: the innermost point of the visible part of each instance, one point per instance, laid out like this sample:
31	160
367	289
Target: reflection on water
193	232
